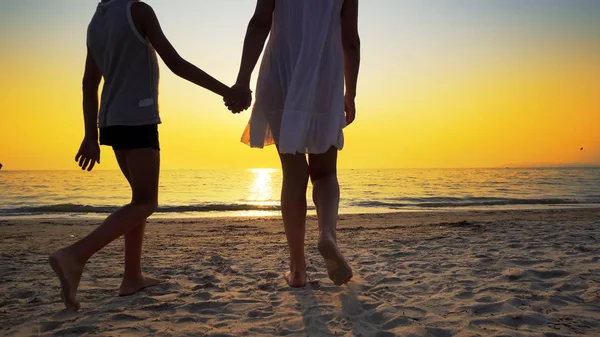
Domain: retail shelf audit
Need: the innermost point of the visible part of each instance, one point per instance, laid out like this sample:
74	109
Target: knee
296	176
316	175
148	206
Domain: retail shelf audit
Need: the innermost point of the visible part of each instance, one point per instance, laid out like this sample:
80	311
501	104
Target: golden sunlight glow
497	85
256	213
262	187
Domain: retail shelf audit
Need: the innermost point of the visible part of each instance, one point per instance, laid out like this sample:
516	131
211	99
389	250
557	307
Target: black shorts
122	137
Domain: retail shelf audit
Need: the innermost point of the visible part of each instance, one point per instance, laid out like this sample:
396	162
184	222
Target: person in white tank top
313	49
122	39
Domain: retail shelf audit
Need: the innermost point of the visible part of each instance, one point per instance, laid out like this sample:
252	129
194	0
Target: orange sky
442	85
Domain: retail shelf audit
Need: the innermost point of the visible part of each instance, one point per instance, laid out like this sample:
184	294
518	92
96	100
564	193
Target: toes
150	281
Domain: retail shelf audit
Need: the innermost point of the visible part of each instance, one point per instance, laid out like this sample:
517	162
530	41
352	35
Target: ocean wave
442	202
76	208
389	204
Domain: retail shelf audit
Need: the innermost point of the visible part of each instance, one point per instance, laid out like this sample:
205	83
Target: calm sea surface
193	193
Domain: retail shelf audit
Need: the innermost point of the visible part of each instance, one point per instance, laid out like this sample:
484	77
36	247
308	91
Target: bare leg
326	195
133	278
293	210
68	263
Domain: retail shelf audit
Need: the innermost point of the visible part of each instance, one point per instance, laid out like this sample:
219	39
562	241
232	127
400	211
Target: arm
145	19
351	45
256	35
89	152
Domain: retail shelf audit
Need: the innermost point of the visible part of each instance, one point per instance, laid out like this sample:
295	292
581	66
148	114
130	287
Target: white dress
300	91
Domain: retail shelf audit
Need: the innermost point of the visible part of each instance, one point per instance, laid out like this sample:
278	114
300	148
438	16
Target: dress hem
299	132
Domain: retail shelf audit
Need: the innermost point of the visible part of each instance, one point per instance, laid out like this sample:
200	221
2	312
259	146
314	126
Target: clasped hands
239	98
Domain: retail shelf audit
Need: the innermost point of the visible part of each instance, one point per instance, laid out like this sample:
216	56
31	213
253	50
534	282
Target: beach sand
486	273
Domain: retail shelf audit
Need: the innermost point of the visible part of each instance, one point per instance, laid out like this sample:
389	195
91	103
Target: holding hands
239	98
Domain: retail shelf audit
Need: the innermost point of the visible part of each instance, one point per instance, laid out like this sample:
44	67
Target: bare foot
69	273
296	279
338	269
130	287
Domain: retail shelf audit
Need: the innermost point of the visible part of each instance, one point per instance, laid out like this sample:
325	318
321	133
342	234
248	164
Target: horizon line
566	166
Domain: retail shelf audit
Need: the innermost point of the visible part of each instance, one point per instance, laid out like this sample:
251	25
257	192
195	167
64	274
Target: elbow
176	70
90	85
261	24
176	66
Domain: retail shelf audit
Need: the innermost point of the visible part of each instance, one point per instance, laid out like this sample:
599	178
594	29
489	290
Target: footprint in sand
527	262
389	281
485	309
397	321
143	301
202	295
548	274
464	295
77	331
162	307
261	313
201	306
125	318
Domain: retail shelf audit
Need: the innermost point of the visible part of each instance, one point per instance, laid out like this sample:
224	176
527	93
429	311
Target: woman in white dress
313	49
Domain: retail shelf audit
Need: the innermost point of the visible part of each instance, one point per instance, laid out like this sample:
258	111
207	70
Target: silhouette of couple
305	96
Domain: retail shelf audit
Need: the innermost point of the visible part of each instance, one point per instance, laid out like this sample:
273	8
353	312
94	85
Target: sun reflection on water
261	190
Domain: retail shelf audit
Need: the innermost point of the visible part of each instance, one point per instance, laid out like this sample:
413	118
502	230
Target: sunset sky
467	83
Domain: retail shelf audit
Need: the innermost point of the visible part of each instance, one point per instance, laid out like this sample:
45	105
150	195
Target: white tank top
128	64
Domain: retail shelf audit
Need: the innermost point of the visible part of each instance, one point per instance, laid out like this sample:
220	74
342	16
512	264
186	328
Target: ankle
132	276
298	267
72	255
